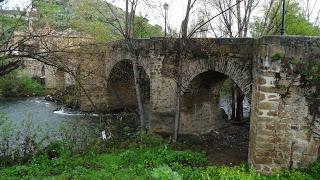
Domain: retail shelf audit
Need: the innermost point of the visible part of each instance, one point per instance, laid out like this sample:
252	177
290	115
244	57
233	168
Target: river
42	118
51	116
43	112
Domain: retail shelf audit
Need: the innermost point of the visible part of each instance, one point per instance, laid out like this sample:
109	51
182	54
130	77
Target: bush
19	145
314	170
165	173
19	85
240	173
57	149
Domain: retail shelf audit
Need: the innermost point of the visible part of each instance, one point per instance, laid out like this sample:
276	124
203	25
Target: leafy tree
143	29
8	25
296	22
89	19
53	13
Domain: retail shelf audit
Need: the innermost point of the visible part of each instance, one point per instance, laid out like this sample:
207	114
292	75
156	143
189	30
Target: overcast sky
155	12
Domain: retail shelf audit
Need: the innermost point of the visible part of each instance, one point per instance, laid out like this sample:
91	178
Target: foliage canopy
295	22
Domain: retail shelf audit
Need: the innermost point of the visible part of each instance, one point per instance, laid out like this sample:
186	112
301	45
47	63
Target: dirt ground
226	146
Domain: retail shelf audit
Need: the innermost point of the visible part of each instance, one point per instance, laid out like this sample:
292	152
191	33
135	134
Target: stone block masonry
281	133
283	127
275	73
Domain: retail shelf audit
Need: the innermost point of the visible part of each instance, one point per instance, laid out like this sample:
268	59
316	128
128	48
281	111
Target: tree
235	21
55	14
129	28
144	29
232	23
296	22
8	26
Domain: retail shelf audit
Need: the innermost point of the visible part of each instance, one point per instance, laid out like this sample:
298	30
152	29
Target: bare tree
232	23
127	33
232	11
225	10
181	55
272	10
311	11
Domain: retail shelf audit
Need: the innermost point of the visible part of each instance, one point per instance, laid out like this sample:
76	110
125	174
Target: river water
22	109
51	117
42	117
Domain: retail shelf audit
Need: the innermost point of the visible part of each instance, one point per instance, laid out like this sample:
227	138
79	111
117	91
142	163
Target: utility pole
283	17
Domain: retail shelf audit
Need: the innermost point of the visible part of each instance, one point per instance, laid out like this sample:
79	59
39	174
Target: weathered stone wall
285	119
204	55
200	111
54	79
94	96
281	133
107	83
59	54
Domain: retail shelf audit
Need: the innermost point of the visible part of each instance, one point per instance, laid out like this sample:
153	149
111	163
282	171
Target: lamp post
283	17
165	7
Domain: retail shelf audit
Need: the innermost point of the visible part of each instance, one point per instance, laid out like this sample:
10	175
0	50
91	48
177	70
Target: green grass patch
136	161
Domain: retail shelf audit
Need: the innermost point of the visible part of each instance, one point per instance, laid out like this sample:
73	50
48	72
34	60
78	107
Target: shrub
57	149
19	145
314	170
186	158
240	173
165	173
19	85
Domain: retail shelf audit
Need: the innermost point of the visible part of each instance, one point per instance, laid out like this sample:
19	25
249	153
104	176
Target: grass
144	157
140	156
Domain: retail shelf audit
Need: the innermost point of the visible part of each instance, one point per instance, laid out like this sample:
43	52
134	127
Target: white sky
13	4
177	9
155	12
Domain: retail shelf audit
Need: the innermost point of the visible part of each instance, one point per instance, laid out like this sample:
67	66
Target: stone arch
200	111
239	73
143	62
121	88
202	80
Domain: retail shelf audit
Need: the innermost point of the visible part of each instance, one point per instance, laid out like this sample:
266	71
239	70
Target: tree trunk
233	102
177	114
240	97
239	19
182	52
138	92
127	19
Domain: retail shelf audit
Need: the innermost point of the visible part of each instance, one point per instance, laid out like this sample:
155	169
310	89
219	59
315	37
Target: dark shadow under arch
122	89
201	114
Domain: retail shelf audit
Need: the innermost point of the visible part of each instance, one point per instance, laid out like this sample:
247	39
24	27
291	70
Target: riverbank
125	155
19	84
143	157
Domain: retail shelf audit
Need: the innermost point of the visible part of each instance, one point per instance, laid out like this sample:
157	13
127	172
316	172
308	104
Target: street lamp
165	7
283	17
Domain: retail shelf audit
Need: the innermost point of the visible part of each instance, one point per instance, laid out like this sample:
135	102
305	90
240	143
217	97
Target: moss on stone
277	56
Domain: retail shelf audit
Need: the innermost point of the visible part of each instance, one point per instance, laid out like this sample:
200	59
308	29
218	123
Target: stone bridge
275	73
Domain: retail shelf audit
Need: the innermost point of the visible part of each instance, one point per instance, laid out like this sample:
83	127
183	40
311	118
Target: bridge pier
281	133
162	98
